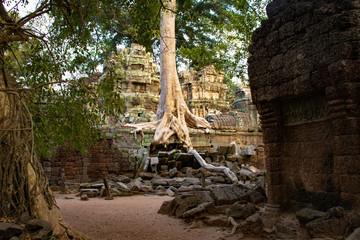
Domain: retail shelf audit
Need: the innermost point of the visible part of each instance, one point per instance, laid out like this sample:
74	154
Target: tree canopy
52	53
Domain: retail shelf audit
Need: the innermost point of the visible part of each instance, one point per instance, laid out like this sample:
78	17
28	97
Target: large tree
173	117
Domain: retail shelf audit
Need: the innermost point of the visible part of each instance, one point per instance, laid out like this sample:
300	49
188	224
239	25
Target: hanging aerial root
211	167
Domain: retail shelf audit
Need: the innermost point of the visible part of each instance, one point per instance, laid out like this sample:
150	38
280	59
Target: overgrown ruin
121	152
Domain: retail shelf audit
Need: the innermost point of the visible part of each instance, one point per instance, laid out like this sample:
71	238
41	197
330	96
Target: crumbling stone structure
246	112
204	91
138	82
305	80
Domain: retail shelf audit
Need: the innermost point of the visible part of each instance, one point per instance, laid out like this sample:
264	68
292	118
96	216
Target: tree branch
36	13
166	8
3	13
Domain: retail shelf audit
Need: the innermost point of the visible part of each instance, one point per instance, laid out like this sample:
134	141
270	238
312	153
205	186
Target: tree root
235	227
210	167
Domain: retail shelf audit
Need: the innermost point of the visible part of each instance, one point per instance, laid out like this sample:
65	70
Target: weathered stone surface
24	218
212	96
256	197
198	212
333	224
8	230
307	215
38	228
229	194
285	232
165	207
84	197
241	210
252	225
355	235
146	175
159	181
216	220
310	123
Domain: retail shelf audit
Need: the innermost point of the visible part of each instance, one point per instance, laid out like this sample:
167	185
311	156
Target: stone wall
204	91
138	81
305	80
120	152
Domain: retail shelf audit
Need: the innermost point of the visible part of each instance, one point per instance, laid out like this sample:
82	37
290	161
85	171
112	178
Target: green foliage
56	77
217	32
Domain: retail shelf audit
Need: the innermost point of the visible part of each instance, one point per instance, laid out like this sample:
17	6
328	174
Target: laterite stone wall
304	75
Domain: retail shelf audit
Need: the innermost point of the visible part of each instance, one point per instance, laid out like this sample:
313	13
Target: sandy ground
134	218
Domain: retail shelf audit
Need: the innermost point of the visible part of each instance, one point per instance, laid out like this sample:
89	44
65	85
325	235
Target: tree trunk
23	184
173	116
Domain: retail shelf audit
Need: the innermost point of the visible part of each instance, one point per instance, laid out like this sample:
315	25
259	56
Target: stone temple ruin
204	91
304	78
137	80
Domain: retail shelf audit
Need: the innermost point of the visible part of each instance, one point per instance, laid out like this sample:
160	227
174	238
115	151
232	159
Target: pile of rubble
25	228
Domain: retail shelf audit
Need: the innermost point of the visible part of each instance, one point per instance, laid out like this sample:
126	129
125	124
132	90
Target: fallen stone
97	185
233	158
163	161
217	179
216	221
245	174
160	190
355	235
38	229
197	224
162	154
229	194
256	197
198	212
8	230
84	197
241	210
170	192
159	181
164	168
256	170
173	172
223	150
165	207
135	184
248	151
193	181
222	209
146	175
121	178
307	215
24	218
252	225
90	192
122	187
285	232
146	188
333	224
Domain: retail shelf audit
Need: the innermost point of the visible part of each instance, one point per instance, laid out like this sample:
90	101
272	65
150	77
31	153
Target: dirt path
132	218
